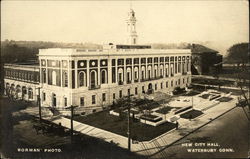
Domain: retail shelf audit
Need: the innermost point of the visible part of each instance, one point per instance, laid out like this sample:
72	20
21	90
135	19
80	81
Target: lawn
164	110
118	125
191	93
207	81
205	96
191	114
224	99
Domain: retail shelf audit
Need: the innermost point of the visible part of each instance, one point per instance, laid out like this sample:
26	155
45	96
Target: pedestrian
176	125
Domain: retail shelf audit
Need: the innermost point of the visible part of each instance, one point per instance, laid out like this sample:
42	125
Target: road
228	131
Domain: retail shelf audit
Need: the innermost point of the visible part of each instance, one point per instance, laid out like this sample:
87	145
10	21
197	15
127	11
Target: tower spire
131	27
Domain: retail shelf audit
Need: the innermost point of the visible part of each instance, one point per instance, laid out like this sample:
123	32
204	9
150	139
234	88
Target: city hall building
93	79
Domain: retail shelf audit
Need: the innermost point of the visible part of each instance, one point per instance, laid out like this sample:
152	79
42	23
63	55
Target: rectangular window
143	91
161	85
113	62
113	95
128	92
166	84
155	86
183	80
93	99
120	93
82	101
172	83
65	102
175	68
44	96
103	97
113	75
136	91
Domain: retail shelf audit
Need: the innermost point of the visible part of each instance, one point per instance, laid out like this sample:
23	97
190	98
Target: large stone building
21	81
93	79
205	60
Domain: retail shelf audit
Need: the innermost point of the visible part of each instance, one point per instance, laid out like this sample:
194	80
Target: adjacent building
22	80
205	60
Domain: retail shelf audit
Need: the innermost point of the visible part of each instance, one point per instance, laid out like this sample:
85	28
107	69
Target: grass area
142	104
234	91
118	125
232	72
205	96
150	117
191	114
224	99
217	82
224	90
191	93
164	110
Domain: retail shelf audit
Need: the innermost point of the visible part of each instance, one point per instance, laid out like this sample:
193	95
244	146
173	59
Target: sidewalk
148	147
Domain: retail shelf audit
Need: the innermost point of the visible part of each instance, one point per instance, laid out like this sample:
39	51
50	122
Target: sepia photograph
124	79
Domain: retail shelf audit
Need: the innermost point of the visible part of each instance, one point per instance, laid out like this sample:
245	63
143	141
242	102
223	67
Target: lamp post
129	143
129	128
71	120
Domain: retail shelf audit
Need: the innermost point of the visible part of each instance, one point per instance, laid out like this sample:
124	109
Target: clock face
93	63
103	62
82	64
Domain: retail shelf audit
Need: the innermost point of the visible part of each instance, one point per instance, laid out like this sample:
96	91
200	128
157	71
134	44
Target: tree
238	54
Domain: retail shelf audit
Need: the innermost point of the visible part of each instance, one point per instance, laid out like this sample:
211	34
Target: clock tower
131	28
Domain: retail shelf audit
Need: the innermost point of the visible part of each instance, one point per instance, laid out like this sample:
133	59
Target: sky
218	23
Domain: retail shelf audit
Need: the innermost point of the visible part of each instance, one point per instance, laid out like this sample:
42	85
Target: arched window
128	74
166	71
143	73
136	73
82	79
93	80
156	71
30	93
18	89
149	72
120	75
104	77
172	69
54	77
161	71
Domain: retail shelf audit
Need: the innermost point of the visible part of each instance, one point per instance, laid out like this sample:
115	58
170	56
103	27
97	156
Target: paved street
229	131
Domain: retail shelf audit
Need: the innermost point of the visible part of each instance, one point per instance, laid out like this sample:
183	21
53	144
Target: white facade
92	79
